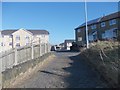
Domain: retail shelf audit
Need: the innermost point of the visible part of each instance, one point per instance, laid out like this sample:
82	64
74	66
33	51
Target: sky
59	18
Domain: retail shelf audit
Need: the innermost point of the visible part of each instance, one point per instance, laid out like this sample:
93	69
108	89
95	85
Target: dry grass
107	51
104	56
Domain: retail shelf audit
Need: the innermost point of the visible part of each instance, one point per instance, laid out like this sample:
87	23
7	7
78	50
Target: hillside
104	57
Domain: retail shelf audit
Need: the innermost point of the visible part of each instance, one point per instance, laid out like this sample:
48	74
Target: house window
79	38
78	30
112	22
27	37
109	34
27	43
17	37
10	44
10	36
90	37
2	36
103	24
18	44
93	27
103	36
115	33
2	44
95	37
43	35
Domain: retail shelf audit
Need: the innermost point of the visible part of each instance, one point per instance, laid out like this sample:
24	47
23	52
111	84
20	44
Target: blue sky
58	18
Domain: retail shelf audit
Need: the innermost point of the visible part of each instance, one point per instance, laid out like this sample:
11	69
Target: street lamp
87	42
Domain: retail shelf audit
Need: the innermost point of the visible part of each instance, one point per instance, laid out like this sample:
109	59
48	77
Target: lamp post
87	42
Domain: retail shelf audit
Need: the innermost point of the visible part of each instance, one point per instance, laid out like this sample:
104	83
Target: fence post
45	48
40	49
49	47
40	46
32	53
16	57
1	71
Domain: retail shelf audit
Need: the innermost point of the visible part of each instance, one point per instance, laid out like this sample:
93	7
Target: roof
69	40
111	16
94	21
34	32
7	32
101	19
61	44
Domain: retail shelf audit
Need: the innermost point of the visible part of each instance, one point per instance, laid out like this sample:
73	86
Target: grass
104	56
108	50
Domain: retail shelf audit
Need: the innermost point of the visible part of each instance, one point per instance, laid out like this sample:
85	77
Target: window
2	36
2	44
79	38
43	35
27	37
10	36
103	24
17	37
90	37
103	35
93	27
10	44
18	44
78	30
112	22
95	37
114	34
109	34
27	43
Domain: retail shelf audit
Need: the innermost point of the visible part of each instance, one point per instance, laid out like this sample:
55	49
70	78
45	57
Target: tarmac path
65	70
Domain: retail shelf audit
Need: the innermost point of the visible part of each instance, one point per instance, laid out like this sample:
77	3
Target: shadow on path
47	72
67	51
82	75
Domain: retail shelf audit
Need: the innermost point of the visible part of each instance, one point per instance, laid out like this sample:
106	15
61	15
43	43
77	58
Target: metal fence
16	56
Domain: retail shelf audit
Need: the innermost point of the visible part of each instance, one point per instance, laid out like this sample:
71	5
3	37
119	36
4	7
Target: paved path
66	70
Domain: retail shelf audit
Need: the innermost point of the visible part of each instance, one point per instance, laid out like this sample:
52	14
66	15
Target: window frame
79	30
10	36
112	22
93	26
2	44
10	43
17	44
27	37
102	24
17	37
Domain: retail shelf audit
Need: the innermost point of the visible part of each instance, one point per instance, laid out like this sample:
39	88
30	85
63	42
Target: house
21	37
61	45
108	26
68	43
80	32
102	28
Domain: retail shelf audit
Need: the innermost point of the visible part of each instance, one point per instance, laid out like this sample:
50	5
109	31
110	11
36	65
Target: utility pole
87	42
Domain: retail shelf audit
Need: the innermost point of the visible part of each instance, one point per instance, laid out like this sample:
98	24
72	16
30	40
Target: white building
21	37
68	44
